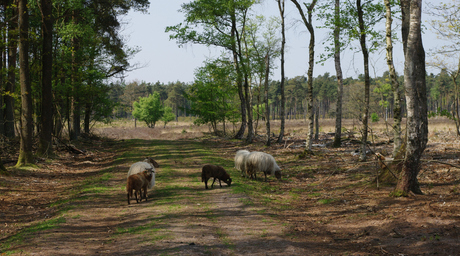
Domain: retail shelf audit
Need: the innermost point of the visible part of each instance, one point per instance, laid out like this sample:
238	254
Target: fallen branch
439	162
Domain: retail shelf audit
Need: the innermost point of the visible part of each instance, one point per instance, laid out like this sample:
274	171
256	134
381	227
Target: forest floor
325	204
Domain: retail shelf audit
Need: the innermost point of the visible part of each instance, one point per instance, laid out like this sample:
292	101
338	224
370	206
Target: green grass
326	201
138	230
28	231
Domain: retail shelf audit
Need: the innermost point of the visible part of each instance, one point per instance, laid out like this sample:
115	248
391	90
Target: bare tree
12	59
26	136
267	109
311	61
338	70
367	83
394	82
283	98
416	98
45	146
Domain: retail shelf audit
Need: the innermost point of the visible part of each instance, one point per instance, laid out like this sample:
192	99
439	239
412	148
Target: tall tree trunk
2	167
362	41
316	122
45	147
248	95
87	118
246	86
26	136
416	99
239	81
338	70
75	104
2	67
12	59
311	62
283	97
267	109
394	83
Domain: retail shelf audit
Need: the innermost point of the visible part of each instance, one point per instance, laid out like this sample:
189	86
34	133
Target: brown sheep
217	172
139	182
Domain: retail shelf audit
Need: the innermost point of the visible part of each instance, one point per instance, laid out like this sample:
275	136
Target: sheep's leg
220	183
135	194
206	183
145	193
213	182
128	198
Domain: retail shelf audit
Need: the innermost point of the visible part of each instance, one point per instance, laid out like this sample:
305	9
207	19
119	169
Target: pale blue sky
164	61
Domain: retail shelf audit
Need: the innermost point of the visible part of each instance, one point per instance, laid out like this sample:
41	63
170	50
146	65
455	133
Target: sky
162	60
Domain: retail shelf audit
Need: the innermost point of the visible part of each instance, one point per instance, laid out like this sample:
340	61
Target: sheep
147	164
218	172
138	182
240	161
261	162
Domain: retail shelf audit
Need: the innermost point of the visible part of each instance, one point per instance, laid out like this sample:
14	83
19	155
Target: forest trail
181	217
323	205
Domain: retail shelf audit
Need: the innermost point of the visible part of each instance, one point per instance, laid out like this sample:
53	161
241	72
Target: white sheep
240	161
147	164
262	162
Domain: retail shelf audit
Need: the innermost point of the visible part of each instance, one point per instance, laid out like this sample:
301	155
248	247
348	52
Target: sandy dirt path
180	218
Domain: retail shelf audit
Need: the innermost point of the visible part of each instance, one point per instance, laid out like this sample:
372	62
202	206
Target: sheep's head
148	174
152	161
278	174
228	181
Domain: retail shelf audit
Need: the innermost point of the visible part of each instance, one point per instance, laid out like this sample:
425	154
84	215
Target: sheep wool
262	162
240	161
147	164
217	172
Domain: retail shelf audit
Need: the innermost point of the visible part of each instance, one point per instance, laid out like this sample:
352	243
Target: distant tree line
440	87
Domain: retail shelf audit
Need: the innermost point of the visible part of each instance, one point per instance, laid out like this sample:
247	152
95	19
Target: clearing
326	204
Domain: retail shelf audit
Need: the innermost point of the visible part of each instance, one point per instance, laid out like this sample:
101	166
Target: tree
281	8
338	69
336	21
415	86
220	23
176	96
45	144
365	51
148	109
212	94
361	21
11	72
311	61
262	45
397	117
2	167
168	116
26	136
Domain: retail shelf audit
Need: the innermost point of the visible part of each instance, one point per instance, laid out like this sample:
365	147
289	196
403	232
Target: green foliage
168	116
441	112
207	22
375	117
148	109
212	94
